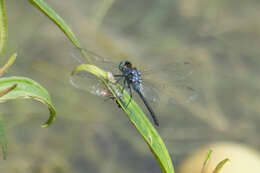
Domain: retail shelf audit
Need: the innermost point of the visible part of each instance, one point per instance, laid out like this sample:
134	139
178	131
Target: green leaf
220	165
27	89
49	12
2	137
8	64
3	26
206	160
137	117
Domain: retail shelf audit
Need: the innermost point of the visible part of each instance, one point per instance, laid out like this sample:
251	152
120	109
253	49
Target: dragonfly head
124	65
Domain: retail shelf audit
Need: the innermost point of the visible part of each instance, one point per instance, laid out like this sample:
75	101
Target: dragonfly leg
131	93
109	97
124	85
118	75
114	99
119	79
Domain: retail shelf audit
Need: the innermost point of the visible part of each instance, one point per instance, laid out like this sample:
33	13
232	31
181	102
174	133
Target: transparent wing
170	82
177	71
167	92
106	64
150	92
87	82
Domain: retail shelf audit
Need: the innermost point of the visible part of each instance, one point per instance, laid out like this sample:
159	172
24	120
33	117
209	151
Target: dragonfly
127	75
132	79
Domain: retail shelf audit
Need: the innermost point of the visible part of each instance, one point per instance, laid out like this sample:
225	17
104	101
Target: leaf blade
49	12
3	140
206	160
8	64
3	26
27	89
220	165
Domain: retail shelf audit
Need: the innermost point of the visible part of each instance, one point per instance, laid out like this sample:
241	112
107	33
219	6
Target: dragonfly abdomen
156	122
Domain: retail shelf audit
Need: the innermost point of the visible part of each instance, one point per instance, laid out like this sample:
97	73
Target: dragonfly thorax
133	76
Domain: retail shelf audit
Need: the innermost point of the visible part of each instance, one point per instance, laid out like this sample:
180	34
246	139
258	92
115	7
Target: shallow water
220	41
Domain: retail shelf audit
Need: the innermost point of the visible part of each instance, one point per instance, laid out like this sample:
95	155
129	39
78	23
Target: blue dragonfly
128	76
132	79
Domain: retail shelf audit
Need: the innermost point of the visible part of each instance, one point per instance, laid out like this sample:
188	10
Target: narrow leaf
206	161
27	89
2	137
3	26
137	117
49	12
8	64
220	165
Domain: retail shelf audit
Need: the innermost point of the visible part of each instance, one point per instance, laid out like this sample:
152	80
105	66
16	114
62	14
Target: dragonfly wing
87	82
106	64
174	71
172	79
150	92
166	91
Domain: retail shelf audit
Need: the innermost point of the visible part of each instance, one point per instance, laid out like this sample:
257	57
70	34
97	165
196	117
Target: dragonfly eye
121	65
128	64
124	65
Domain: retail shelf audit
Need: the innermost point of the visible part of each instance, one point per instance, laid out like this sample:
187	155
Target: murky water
219	42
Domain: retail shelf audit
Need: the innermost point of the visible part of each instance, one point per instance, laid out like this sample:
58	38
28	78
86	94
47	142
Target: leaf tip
51	118
44	125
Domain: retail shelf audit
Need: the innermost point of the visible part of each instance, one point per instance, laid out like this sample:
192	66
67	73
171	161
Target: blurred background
215	99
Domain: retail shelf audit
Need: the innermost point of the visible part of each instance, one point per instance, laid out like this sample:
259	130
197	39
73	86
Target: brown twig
7	90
